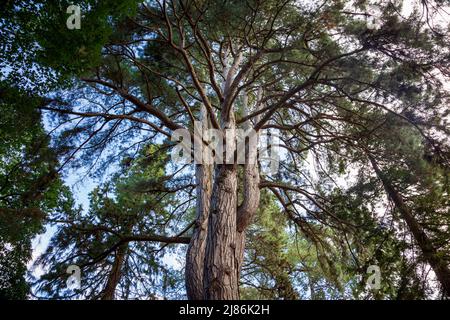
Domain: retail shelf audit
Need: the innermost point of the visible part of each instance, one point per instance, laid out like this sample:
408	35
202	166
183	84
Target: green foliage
30	187
135	202
41	53
269	267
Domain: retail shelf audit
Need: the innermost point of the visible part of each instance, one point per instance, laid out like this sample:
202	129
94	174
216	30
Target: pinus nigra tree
30	186
328	81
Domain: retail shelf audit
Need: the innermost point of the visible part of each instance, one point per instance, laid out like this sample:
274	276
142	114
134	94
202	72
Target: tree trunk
195	257
220	277
249	205
196	250
227	227
430	254
115	273
220	280
226	223
250	202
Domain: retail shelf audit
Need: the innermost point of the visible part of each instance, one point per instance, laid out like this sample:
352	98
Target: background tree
120	241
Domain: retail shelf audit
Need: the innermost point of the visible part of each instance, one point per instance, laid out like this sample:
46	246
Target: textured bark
251	194
115	273
429	252
196	250
249	205
220	279
195	257
226	224
246	210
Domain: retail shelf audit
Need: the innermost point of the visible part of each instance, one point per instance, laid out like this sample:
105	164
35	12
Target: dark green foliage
30	187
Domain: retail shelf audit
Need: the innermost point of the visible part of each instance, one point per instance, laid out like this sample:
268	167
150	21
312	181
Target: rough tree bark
195	256
220	280
429	252
228	222
115	273
216	251
251	192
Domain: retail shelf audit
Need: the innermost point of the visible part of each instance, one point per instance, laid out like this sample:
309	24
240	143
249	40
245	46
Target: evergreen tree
334	84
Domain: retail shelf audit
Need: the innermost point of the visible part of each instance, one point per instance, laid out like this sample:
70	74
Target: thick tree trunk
115	273
195	257
430	254
250	202
226	224
220	277
249	205
220	281
196	250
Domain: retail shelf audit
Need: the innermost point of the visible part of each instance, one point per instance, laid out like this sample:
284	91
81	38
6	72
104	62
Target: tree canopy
356	91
